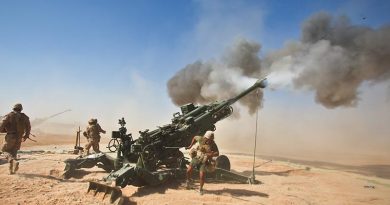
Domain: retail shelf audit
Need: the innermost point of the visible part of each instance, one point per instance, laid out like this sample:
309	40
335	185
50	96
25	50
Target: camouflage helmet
18	107
92	121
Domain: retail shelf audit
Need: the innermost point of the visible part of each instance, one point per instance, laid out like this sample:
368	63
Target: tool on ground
77	147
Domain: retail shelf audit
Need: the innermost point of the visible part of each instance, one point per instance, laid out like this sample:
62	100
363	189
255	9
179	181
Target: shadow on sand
32	176
161	189
80	173
264	173
3	161
237	192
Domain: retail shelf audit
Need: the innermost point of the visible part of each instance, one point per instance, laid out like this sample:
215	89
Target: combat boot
16	166
189	184
11	167
201	191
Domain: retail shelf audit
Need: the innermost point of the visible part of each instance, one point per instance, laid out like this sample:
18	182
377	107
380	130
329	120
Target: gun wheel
113	145
223	162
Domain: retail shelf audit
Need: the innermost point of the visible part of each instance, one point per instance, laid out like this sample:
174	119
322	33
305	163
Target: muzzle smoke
204	82
333	58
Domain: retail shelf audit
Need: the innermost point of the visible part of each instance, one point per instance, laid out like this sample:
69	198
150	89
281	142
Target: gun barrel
261	83
223	107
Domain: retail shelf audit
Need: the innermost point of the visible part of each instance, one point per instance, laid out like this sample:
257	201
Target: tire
223	162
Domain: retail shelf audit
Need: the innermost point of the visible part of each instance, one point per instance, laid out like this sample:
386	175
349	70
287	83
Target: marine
92	133
17	126
202	157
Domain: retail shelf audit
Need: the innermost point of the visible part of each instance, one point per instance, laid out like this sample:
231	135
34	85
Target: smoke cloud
333	59
205	82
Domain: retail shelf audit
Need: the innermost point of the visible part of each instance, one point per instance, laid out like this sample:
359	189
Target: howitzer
154	157
151	146
149	157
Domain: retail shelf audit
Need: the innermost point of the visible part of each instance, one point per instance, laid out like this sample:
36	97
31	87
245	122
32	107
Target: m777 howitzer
154	157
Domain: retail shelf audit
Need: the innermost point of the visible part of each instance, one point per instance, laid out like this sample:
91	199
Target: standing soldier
17	126
92	133
202	157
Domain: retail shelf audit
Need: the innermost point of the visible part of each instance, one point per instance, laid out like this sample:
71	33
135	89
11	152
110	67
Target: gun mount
155	157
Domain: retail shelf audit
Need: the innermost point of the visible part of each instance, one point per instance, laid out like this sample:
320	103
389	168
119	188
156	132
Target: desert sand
39	181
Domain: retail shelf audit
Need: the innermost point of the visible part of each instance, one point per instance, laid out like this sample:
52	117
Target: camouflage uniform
200	159
17	126
92	133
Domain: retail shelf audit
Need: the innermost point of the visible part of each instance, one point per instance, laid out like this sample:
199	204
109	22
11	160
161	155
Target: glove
210	155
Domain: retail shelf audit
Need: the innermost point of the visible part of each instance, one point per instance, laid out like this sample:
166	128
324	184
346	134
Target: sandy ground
39	181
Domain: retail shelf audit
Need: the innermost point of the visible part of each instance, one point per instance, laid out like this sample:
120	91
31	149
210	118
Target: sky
112	59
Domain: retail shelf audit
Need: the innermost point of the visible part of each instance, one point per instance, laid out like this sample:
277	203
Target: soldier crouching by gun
92	133
202	157
17	126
